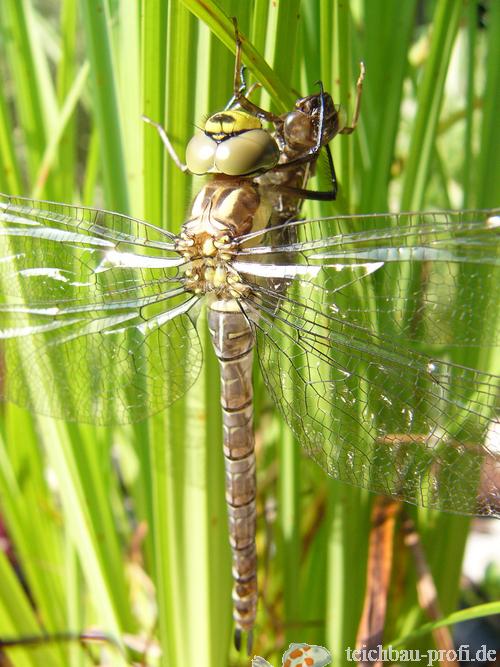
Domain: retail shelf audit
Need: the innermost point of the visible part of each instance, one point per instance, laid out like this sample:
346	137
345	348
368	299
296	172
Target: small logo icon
299	655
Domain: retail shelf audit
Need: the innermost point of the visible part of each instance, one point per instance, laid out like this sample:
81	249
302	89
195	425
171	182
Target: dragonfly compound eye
251	152
200	154
233	143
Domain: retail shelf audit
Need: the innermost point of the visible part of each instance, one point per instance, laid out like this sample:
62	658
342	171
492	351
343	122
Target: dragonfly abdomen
233	341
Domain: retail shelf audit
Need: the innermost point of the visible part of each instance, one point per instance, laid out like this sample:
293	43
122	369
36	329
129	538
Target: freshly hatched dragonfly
354	320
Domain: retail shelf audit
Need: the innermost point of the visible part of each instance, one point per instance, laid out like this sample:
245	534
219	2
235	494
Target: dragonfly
354	320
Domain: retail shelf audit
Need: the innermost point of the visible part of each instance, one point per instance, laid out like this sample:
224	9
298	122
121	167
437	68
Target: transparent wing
94	319
421	277
357	352
51	251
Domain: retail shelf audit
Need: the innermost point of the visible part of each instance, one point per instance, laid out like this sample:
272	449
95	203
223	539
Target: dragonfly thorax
225	209
215	277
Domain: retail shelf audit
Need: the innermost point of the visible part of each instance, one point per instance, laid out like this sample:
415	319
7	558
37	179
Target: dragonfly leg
243	89
303	193
166	142
239	86
348	129
310	156
333	175
253	88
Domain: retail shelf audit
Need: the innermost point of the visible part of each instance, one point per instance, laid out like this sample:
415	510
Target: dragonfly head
233	143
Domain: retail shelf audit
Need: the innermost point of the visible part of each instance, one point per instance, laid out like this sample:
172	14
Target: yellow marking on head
231	122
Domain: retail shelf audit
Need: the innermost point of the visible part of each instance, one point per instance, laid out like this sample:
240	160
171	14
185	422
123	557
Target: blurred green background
124	530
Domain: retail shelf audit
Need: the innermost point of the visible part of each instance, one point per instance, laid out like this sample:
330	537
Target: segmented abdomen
233	341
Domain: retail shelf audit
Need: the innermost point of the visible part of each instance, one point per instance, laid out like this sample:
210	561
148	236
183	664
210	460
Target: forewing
54	252
356	353
94	319
426	278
